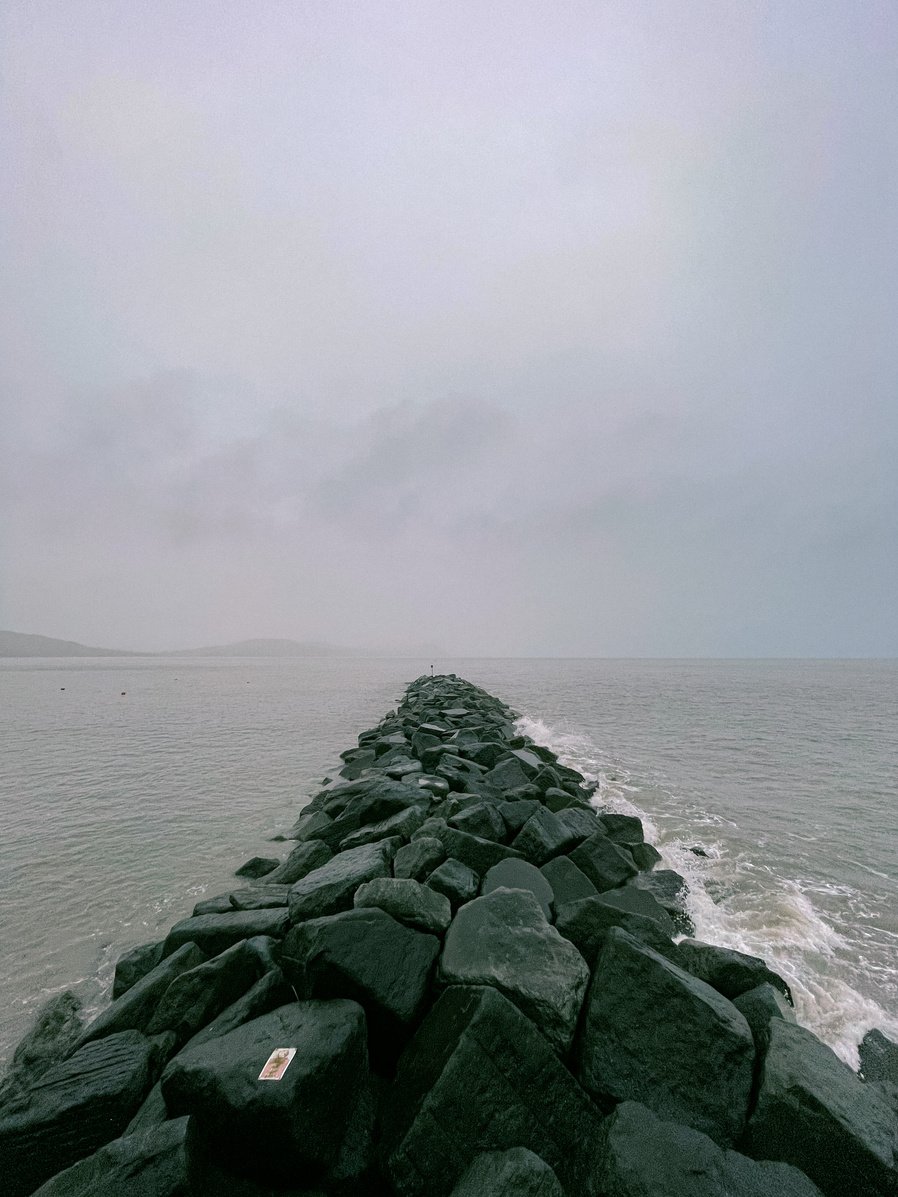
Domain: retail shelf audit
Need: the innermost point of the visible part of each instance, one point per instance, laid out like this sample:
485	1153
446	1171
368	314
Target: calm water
118	811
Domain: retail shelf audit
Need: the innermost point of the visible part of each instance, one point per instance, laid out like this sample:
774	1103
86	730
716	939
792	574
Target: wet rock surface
462	979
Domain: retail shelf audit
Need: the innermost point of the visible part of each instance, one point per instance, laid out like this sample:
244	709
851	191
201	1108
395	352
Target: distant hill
21	644
267	648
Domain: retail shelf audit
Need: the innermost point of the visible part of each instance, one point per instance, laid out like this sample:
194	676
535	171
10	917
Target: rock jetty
465	980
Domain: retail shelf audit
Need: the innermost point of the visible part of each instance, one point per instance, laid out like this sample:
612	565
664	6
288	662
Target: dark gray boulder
403	823
520	874
516	814
134	1009
330	888
655	1034
410	902
55	1031
269	992
477	853
73	1108
454	879
150	1163
256	867
303	858
814	1112
311	825
134	965
478	1076
287	1131
645	856
215	932
371	958
730	972
507	775
580	821
419	858
757	1006
504	940
603	862
259	897
513	1173
367	802
639	901
642	1156
671	891
542	837
622	829
878	1057
481	819
569	884
196	997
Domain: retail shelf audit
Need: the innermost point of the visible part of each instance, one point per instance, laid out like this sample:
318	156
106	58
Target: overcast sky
519	327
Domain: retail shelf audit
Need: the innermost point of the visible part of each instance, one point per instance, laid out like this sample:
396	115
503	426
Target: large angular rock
478	1077
758	1006
477	853
671	891
135	964
256	867
814	1112
516	814
330	888
481	819
287	1131
403	823
212	933
304	857
587	921
655	1034
507	775
134	1009
73	1109
542	837
513	1173
569	884
370	957
410	902
622	829
55	1031
150	1163
639	901
520	874
196	997
454	879
603	862
878	1057
730	972
504	939
418	859
380	799
642	1156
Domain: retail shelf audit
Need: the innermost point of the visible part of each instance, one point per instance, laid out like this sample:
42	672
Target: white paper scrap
277	1063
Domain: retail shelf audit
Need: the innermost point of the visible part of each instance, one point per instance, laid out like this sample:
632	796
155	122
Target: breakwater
483	984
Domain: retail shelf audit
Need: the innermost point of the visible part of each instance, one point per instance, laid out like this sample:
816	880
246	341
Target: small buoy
62	687
124	692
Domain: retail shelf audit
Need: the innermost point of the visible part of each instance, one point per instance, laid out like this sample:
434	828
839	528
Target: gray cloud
523	330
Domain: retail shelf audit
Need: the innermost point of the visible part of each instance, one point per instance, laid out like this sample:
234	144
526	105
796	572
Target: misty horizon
522	331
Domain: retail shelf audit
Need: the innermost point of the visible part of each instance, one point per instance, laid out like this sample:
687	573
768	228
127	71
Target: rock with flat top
504	940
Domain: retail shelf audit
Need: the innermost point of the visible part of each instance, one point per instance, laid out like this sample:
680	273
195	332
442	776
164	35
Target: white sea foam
738	901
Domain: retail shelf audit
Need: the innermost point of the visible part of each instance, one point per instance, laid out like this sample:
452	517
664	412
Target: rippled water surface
118	810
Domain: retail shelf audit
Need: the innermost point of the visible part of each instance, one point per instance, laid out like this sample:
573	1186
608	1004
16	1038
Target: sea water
132	787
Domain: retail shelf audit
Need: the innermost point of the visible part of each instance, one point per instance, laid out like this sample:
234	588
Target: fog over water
518	328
